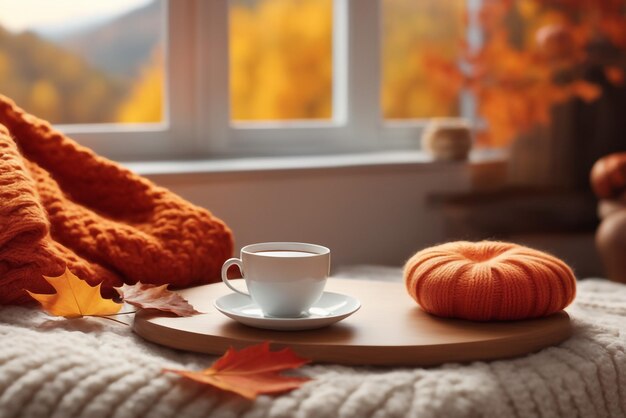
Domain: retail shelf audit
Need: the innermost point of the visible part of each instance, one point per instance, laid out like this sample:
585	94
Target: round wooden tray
389	329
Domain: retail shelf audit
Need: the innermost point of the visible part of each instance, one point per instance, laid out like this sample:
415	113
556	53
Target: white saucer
331	308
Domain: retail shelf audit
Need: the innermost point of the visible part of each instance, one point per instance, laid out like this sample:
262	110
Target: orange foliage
536	54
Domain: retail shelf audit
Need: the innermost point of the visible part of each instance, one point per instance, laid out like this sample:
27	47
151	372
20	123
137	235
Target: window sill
412	159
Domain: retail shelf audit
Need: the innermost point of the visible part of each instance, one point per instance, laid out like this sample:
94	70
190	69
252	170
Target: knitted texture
487	281
95	368
61	204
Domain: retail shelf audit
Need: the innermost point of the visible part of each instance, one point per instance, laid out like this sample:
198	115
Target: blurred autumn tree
281	59
412	32
145	101
537	54
98	73
53	83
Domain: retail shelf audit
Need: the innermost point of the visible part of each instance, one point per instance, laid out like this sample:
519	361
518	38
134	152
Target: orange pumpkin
608	175
487	281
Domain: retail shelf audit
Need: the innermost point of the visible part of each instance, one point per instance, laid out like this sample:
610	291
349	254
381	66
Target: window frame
197	100
357	123
175	136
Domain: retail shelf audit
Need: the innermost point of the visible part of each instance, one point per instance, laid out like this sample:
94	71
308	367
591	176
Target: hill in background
95	74
53	83
123	45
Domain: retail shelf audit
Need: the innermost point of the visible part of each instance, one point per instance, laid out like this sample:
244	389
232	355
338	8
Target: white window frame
197	108
176	136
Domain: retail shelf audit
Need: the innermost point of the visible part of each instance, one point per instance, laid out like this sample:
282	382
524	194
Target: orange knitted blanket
61	204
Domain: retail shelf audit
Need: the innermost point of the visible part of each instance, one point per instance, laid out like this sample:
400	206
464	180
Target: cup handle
225	267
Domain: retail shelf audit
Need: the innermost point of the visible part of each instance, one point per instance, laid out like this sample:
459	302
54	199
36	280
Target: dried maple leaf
251	371
75	298
149	296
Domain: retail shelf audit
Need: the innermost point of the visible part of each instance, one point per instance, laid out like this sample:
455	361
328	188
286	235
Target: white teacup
284	278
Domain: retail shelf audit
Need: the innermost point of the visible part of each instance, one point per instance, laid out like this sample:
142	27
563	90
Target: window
235	77
280	60
84	63
411	32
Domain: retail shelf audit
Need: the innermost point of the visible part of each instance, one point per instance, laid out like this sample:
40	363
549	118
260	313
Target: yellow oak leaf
75	298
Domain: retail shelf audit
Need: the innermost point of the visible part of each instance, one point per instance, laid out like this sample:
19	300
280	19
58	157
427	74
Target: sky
55	15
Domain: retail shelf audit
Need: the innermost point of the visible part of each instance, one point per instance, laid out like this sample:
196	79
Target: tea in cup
284	278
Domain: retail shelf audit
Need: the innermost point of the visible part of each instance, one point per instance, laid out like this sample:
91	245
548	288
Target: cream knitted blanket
93	368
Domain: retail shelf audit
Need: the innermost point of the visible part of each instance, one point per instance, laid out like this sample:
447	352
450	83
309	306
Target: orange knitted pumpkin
608	175
486	281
